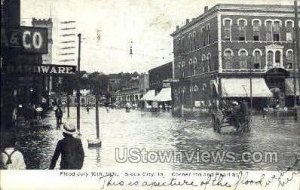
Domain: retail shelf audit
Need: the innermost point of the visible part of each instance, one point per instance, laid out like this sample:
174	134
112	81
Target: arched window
289	59
208	34
194	40
209	66
228	54
276	30
289	25
243	58
242	29
194	65
277	57
256	23
227	22
203	63
196	88
269	30
183	68
270	58
257	59
190	67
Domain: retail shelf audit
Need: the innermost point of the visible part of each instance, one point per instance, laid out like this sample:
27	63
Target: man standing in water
70	149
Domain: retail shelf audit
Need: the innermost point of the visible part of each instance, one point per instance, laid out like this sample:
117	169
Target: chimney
187	21
177	27
205	9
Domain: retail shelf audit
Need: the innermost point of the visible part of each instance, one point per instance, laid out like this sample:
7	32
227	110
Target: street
161	131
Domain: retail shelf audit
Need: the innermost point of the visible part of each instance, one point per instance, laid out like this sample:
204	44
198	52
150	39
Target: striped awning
164	95
149	96
240	87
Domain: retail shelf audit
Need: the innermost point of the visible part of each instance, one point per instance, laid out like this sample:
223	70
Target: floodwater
141	139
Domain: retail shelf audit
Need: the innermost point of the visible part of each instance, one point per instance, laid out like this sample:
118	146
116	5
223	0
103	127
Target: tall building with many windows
217	53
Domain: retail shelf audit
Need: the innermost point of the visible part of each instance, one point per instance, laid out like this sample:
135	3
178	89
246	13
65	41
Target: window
194	65
227	29
242	29
203	36
209	66
190	67
276	31
194	40
243	58
289	31
208	34
256	29
183	68
289	59
270	59
257	59
190	42
269	30
203	63
277	57
228	54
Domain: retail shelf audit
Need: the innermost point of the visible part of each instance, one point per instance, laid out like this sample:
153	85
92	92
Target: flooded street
150	131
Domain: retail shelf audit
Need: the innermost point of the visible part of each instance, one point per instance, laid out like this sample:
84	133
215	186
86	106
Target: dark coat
71	151
58	113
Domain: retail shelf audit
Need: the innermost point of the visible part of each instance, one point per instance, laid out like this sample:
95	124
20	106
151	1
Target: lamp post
78	88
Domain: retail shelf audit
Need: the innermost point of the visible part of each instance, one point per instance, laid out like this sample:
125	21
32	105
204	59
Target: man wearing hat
70	149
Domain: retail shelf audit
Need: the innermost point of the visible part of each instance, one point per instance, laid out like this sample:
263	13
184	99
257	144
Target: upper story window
277	57
208	34
242	29
183	69
276	30
190	40
203	63
209	66
257	58
270	55
194	40
228	54
289	59
194	65
269	30
289	24
203	36
256	23
243	58
227	22
191	67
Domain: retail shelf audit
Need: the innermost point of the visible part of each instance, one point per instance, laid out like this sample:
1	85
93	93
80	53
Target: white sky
148	23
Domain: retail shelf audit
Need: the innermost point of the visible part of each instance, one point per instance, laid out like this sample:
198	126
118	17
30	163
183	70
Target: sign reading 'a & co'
28	39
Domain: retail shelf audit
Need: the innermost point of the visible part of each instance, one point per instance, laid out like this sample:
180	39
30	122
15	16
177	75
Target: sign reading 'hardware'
39	69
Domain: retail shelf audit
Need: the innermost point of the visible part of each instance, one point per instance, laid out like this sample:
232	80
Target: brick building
216	53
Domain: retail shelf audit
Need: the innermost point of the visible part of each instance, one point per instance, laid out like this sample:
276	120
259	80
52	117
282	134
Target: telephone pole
78	88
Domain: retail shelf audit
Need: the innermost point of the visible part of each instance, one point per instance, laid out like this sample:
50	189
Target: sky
146	23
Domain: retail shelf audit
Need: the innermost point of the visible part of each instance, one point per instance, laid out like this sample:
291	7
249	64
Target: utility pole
78	88
296	58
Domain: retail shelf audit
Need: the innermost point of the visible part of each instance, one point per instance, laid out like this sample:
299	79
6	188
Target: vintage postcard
150	94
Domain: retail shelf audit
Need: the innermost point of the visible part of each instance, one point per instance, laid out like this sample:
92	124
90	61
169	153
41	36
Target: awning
164	95
289	87
149	96
236	87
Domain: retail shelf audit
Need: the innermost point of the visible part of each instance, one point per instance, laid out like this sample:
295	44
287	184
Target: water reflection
162	132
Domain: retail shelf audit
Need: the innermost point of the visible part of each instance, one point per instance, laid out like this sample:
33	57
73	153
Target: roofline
236	7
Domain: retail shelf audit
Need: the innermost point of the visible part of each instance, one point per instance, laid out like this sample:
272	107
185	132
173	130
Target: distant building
216	53
46	58
158	74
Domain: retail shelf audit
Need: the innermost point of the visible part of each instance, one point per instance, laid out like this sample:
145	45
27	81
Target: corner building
217	53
